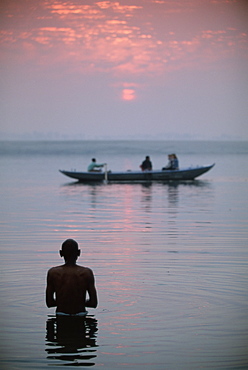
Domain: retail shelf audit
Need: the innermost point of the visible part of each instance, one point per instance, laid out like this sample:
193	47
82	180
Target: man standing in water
68	284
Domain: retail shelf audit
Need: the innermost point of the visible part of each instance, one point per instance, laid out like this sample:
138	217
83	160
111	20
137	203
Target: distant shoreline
229	140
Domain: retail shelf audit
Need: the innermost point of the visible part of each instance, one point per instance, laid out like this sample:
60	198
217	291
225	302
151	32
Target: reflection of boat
138	176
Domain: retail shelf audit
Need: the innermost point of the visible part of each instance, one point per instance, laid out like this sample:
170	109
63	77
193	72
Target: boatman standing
68	284
95	167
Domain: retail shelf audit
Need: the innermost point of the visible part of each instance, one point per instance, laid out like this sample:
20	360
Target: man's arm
50	301
92	301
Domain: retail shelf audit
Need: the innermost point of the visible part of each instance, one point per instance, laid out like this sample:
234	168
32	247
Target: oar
106	173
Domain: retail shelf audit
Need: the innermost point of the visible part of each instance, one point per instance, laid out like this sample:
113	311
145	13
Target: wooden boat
139	176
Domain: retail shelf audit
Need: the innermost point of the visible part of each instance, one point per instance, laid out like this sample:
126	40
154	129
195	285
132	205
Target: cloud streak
126	38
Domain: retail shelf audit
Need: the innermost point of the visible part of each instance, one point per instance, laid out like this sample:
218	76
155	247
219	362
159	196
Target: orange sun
128	94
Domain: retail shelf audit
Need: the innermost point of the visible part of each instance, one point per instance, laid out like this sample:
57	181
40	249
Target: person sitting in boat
169	164
146	165
173	163
95	167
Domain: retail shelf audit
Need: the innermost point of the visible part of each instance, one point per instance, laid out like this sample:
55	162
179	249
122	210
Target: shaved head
69	249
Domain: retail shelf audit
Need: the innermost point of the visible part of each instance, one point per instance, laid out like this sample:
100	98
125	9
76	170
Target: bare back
70	283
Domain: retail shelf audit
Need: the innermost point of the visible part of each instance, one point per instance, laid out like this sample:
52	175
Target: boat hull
138	176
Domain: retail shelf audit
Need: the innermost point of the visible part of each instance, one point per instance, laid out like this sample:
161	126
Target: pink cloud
120	39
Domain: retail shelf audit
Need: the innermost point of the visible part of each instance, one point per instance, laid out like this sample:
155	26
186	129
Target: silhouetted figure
68	284
146	165
173	163
95	167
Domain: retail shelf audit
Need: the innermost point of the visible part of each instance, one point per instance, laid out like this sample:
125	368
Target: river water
170	259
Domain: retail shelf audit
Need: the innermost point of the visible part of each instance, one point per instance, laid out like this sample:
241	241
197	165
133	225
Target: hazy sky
133	69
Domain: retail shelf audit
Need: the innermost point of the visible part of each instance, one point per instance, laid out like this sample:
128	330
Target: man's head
93	159
70	250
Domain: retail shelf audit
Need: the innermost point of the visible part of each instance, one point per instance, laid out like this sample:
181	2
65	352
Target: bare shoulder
55	270
76	270
85	270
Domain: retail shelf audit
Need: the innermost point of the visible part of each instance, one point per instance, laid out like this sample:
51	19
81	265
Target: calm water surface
170	259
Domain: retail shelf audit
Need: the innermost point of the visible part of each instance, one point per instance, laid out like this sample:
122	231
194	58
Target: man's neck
70	262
